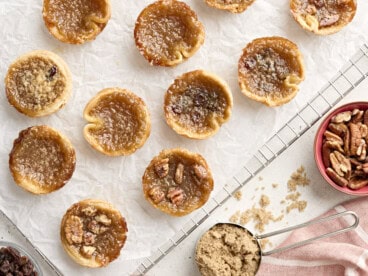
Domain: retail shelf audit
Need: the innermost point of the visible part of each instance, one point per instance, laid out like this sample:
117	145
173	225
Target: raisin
51	73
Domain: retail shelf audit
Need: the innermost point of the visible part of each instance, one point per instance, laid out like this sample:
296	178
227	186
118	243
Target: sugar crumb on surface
237	195
298	178
275	185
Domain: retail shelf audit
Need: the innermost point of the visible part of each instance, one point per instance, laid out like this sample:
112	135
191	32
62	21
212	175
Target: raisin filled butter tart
76	21
42	160
118	122
177	182
323	17
93	232
197	104
270	70
167	32
38	83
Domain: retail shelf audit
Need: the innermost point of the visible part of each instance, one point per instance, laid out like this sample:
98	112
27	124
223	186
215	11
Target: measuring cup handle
300	243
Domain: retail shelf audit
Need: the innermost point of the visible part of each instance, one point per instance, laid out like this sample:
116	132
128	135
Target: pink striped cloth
344	254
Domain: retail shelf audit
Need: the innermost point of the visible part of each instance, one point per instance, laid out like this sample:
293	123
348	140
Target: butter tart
323	17
270	70
234	6
42	160
167	32
76	21
177	182
197	104
93	232
119	122
38	83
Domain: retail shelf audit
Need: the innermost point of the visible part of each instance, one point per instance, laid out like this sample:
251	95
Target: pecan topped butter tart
323	17
270	70
177	182
93	232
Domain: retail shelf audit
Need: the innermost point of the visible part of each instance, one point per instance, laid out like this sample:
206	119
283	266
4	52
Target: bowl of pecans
340	148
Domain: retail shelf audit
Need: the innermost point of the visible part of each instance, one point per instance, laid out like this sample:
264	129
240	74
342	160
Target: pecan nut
338	129
88	251
336	178
89	238
341	117
156	194
340	164
179	173
176	196
355	138
162	167
74	230
357	183
200	172
357	116
103	219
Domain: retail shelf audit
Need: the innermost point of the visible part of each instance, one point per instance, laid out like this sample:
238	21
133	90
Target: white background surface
113	60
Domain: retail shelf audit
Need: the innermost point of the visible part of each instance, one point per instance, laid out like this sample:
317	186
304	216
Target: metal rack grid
351	75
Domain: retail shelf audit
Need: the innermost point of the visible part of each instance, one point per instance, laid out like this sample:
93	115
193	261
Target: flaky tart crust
323	17
76	21
177	182
119	122
197	104
93	232
270	70
42	160
38	83
167	32
234	6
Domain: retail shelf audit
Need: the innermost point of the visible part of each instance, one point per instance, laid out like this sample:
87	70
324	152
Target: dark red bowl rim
318	147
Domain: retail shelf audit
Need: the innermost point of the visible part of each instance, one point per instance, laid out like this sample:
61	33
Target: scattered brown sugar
264	243
260	216
235	217
275	185
237	195
298	178
295	203
260	178
264	201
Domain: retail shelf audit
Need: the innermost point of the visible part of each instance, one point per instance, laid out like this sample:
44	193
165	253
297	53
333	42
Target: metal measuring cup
258	238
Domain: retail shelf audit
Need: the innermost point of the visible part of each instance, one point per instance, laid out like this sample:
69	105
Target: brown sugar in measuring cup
231	249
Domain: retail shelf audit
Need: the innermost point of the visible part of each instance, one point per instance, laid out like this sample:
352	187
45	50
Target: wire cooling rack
351	75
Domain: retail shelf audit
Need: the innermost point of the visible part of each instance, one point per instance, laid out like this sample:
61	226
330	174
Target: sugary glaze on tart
93	232
177	182
323	16
197	104
42	160
38	83
167	32
119	122
76	21
270	70
234	6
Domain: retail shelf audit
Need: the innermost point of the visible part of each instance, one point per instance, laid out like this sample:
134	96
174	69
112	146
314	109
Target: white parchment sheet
113	60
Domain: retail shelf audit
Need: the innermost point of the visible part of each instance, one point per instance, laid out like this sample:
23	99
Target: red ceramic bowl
318	148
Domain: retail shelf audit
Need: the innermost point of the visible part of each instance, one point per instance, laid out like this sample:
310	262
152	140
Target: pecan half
179	173
89	238
347	142
200	172
338	129
74	230
336	178
365	117
333	137
89	211
156	194
365	168
363	130
355	138
176	196
326	151
357	183
103	219
341	117
357	116
162	167
340	164
329	20
334	145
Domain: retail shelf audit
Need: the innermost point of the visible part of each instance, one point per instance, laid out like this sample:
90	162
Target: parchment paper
113	60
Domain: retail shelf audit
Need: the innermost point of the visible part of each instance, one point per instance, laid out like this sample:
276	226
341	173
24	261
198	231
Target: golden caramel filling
95	233
72	17
327	12
232	2
35	83
42	159
167	29
177	183
122	124
195	103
